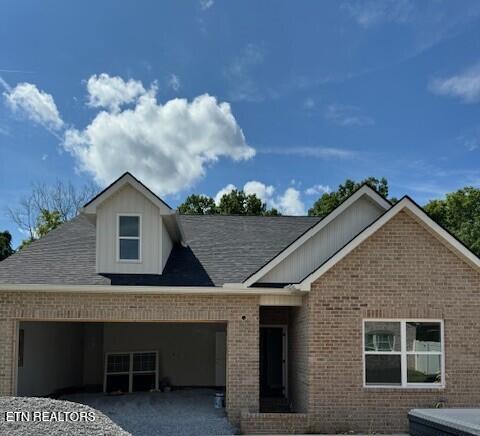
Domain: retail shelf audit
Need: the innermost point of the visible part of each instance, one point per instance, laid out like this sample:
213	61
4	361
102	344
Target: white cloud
239	74
168	146
288	203
315	152
37	105
174	82
318	190
470	142
465	85
370	13
109	92
226	190
347	116
44	156
261	190
206	4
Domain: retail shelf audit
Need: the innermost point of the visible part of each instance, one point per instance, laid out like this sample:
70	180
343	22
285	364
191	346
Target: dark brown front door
271	362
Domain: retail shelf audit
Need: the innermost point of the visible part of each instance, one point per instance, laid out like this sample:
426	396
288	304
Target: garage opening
55	358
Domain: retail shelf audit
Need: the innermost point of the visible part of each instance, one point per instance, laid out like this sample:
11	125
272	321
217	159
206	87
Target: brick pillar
243	376
7	350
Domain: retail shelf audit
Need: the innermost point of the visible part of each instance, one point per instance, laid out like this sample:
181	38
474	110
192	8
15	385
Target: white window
403	353
129	231
131	371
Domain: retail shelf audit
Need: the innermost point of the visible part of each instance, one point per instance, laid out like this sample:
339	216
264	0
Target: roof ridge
247	216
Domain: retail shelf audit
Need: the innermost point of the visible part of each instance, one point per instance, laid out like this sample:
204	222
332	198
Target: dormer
135	229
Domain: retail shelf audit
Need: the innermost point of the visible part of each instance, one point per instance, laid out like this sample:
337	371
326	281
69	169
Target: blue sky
286	99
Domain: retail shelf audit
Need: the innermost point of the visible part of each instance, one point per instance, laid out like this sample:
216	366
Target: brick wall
7	347
242	334
298	357
274	423
401	271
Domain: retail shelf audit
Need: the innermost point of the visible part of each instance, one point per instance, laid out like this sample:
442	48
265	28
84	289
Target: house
327	325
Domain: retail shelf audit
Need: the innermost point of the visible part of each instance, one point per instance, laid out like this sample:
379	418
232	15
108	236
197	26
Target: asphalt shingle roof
221	249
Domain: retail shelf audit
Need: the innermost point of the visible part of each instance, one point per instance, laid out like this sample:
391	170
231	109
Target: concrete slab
180	412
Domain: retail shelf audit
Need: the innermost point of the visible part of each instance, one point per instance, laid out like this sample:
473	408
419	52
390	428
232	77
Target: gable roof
126	179
221	249
413	209
364	190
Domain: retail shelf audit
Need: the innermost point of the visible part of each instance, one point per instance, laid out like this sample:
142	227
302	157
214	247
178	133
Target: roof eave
172	290
126	178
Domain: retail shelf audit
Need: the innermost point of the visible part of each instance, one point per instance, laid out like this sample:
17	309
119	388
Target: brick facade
274	423
401	271
240	313
298	357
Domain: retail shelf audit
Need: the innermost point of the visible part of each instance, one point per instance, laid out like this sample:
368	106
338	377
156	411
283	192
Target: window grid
134	238
131	372
404	354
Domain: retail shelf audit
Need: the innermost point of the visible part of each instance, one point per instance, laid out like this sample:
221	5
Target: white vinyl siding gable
167	245
129	201
325	243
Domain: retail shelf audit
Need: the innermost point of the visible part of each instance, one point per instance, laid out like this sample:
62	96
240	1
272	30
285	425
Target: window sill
129	261
407	387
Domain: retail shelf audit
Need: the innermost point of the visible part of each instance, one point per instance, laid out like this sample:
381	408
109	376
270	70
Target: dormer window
129	238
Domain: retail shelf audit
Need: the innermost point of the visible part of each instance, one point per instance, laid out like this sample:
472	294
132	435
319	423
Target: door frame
284	328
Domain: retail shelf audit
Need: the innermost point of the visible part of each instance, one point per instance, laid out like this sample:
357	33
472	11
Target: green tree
47	220
5	245
236	202
331	200
26	242
459	213
198	205
62	196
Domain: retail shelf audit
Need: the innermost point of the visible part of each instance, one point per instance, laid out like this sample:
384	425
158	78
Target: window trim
404	353
137	238
21	348
130	371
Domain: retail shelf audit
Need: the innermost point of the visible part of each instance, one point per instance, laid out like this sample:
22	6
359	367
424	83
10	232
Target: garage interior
55	358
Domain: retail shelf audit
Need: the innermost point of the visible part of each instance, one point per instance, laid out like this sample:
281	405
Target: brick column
243	374
7	350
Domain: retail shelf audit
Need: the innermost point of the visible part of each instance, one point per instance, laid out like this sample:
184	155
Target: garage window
403	353
131	371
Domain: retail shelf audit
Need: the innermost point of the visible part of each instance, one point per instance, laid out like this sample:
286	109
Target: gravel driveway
44	416
181	412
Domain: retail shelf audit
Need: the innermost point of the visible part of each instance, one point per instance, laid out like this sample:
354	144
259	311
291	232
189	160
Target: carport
55	358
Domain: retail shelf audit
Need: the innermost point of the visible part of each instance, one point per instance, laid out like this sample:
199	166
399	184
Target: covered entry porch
282	341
